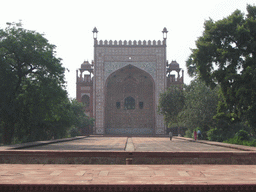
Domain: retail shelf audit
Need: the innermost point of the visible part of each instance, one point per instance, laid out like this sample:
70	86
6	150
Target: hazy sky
69	24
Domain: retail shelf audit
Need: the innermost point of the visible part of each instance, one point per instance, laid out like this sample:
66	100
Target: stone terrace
89	143
138	144
181	165
127	178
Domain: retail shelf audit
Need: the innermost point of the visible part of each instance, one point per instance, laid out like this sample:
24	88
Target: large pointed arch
129	102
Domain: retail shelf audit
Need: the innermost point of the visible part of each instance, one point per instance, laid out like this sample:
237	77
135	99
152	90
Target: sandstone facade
121	87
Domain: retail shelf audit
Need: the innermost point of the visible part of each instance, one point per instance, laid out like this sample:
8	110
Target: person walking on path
170	135
195	135
199	135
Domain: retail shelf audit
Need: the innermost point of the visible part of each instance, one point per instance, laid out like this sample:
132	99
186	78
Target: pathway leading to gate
95	143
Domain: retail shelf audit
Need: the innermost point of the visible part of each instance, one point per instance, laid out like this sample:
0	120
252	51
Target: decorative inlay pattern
160	130
99	131
132	131
111	67
129	58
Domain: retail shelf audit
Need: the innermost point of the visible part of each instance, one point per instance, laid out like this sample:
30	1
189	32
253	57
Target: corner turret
171	78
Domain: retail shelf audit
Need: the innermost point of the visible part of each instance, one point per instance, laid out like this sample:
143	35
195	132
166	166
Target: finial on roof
95	31
165	33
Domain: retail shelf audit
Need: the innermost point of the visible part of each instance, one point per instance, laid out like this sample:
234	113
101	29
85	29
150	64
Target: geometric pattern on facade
149	67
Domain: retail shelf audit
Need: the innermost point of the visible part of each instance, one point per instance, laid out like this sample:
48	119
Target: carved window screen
129	103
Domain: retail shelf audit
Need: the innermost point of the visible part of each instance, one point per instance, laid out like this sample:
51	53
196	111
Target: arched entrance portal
129	102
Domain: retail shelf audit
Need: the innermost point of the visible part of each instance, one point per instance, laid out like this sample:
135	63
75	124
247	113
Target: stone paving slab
139	144
127	174
176	145
101	143
89	143
38	143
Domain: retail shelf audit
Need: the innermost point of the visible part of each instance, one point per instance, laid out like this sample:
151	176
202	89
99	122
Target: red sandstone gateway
121	87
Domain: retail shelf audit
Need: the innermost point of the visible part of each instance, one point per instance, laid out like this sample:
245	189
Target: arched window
129	103
141	105
86	100
118	105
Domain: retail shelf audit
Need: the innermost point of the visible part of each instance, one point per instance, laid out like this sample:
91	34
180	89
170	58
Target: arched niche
129	102
86	101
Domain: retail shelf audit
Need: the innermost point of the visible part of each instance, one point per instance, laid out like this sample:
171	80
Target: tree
226	55
171	103
81	123
42	111
32	81
200	106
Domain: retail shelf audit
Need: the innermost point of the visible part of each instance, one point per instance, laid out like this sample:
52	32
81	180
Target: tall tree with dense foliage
81	124
226	55
200	106
171	103
32	82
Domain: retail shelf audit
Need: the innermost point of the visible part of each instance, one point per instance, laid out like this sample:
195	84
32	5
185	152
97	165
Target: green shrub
74	131
238	141
215	134
189	133
241	138
243	135
224	131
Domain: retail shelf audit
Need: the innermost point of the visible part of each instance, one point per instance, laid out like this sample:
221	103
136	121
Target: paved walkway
132	144
176	145
127	174
88	143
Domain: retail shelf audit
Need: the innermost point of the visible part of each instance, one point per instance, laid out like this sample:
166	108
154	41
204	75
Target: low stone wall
114	157
11	155
128	188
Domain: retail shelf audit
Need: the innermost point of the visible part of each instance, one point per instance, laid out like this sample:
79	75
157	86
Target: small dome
165	30
86	65
95	30
174	65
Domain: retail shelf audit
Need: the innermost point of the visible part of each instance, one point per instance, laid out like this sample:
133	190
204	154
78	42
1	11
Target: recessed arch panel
125	90
86	100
